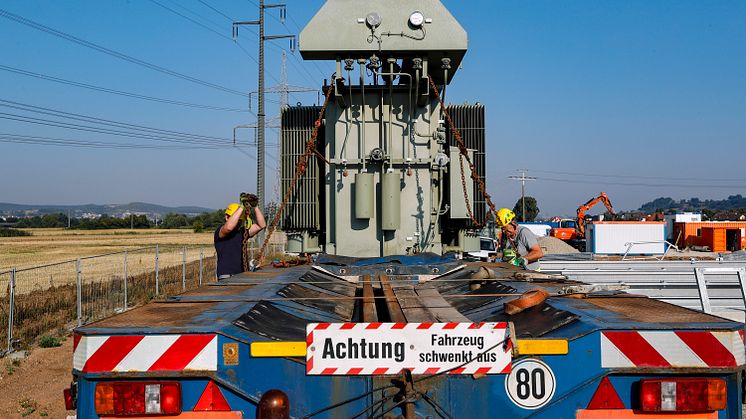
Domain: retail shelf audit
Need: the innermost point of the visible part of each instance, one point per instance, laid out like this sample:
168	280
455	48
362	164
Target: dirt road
32	387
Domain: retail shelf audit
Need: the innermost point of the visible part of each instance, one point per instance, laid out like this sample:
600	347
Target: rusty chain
300	169
245	248
301	166
464	154
466	194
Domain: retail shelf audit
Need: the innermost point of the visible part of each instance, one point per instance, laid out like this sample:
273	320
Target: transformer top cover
387	28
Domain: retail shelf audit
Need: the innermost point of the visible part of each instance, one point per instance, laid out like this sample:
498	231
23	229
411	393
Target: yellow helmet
231	208
504	217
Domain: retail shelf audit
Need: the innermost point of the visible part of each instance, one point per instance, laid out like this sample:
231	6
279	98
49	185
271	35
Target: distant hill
694	204
115	210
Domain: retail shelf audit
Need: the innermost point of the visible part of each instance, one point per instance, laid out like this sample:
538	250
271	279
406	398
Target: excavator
575	234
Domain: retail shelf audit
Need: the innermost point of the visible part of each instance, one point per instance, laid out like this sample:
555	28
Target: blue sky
638	99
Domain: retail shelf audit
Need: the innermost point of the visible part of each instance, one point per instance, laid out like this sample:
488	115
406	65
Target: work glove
519	261
249	200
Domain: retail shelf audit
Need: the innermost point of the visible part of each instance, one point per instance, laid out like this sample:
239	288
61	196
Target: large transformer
386	177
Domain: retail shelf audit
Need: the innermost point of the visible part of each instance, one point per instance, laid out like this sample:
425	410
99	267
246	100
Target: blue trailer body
242	380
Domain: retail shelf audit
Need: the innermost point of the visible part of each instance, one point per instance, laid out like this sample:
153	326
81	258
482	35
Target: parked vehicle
487	250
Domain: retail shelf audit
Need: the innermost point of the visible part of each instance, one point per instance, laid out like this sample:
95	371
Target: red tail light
69	403
137	398
683	395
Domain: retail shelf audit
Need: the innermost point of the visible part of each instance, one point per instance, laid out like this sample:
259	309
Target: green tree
197	226
532	209
172	220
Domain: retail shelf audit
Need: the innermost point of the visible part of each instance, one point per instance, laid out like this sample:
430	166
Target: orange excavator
567	232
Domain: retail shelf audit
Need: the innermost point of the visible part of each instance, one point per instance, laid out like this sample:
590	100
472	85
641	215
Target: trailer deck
278	306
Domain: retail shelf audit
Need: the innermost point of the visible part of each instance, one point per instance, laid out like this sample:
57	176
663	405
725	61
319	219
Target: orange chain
300	169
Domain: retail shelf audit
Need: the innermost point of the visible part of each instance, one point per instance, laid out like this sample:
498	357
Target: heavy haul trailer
218	351
391	170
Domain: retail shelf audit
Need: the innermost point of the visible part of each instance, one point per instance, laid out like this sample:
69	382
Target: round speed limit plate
530	384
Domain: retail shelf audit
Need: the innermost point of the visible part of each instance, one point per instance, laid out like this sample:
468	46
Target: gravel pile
552	245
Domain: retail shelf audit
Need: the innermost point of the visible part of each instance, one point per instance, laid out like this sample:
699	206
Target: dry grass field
56	244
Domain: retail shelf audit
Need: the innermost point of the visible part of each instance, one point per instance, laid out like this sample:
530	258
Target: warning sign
423	348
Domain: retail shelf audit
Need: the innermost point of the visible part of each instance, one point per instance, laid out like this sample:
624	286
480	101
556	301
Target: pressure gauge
373	20
416	19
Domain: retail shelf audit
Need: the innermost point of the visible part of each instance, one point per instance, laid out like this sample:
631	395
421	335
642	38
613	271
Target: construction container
680	217
540	230
718	236
631	237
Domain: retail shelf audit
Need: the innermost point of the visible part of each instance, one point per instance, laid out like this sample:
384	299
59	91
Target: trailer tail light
70	395
274	404
683	395
137	398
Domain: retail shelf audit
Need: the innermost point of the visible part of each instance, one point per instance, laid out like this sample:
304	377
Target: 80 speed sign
531	384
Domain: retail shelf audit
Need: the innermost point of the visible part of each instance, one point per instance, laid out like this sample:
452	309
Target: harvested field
48	245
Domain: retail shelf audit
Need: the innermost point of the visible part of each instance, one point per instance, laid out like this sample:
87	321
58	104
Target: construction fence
52	298
55	297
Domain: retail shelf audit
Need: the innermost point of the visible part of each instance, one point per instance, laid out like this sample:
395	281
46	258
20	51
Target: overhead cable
116	92
62	142
637	177
88	128
107	122
651	185
30	23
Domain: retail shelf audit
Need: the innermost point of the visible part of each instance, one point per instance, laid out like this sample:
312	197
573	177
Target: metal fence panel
56	297
4	308
44	300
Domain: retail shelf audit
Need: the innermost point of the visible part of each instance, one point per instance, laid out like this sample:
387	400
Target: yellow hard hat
231	208
504	217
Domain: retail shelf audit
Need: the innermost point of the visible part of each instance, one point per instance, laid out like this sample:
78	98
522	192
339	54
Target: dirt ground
32	387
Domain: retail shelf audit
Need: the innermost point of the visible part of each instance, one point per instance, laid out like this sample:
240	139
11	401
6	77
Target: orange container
719	236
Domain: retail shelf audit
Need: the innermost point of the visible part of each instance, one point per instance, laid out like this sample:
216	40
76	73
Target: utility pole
261	113
523	178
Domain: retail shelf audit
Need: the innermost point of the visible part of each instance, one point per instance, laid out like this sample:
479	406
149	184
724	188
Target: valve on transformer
377	155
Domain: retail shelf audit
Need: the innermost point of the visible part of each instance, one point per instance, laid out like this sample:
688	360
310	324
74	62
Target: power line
241	47
116	92
108	122
216	10
636	177
62	142
191	20
30	23
652	185
248	54
196	14
88	128
295	58
523	178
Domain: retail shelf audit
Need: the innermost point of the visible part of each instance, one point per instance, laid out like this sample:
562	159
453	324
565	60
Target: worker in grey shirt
520	240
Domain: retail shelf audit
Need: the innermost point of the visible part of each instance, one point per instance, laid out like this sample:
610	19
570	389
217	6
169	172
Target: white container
540	230
614	237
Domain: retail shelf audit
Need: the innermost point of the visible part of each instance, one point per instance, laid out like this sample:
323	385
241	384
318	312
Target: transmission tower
260	112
